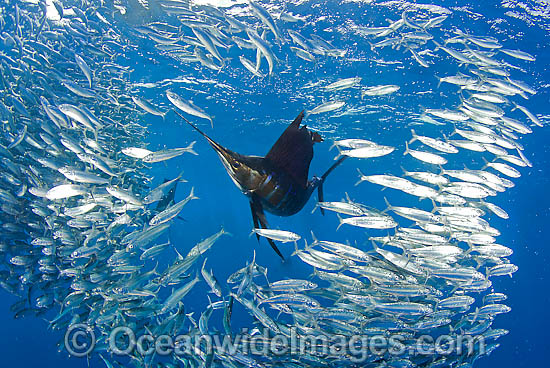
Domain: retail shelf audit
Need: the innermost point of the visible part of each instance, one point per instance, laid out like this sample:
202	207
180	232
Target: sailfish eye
236	164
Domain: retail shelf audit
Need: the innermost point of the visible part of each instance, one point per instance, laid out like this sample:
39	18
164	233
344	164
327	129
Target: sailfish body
277	183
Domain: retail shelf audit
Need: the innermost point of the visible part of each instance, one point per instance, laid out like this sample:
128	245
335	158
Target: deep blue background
250	118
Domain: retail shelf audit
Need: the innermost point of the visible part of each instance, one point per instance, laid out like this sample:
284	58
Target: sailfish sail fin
293	151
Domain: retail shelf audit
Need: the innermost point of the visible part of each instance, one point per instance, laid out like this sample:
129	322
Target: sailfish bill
277	183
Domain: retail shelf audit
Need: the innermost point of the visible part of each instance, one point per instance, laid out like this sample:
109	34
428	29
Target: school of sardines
81	223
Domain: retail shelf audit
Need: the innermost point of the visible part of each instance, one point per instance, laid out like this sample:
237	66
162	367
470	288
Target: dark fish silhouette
168	199
277	183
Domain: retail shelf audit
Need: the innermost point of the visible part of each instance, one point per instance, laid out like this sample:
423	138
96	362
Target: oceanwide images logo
80	341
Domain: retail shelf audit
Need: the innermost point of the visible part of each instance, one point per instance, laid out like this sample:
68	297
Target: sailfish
277	183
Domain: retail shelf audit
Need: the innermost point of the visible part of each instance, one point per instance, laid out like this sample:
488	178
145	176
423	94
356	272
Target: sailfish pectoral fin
340	160
258	217
271	242
255	219
320	197
323	178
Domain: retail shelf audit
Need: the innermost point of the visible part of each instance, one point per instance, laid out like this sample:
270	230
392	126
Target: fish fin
180	257
389	207
321	181
258	217
341	221
192	194
272	243
314	237
348	199
255	219
334	165
414	136
293	151
226	232
204	264
407	150
179	177
339	153
189	148
296	250
263	224
316	206
485	162
361	175
438	81
320	196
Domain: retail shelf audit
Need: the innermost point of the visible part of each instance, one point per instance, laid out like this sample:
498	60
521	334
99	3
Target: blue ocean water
250	114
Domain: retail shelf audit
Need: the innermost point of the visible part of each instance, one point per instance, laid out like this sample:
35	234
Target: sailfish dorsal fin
293	151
